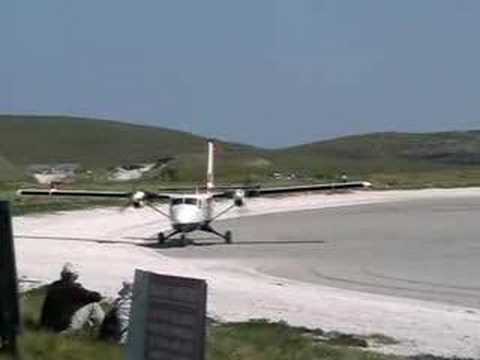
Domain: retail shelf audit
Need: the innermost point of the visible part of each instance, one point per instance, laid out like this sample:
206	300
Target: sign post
168	318
9	309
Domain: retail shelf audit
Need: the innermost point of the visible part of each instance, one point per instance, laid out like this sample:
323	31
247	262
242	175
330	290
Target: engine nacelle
238	197
138	204
138	199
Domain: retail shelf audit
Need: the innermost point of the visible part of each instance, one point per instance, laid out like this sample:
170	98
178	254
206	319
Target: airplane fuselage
190	213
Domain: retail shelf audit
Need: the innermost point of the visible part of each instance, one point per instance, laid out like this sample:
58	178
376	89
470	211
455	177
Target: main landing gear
227	236
162	237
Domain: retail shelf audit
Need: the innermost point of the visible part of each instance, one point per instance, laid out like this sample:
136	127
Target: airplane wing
245	192
90	193
258	191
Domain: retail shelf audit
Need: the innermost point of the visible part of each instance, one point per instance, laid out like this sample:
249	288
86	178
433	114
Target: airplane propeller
139	199
238	197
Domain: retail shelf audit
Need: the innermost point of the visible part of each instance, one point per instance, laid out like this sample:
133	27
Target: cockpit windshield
178	201
190	201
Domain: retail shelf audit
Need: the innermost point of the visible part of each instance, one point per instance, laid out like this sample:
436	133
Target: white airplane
192	210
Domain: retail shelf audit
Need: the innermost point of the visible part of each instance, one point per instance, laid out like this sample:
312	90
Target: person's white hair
126	290
69	271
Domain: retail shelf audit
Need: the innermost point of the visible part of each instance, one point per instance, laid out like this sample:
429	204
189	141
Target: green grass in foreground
263	340
45	346
254	340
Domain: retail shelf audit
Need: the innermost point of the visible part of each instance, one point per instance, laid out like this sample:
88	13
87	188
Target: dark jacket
110	328
63	299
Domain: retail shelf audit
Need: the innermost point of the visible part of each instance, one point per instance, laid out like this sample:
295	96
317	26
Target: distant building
47	174
277	175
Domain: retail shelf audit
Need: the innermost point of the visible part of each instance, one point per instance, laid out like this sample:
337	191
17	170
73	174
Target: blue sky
269	73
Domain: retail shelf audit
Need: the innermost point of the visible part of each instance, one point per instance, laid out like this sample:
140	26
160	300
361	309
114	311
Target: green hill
392	151
7	170
99	145
398	159
93	143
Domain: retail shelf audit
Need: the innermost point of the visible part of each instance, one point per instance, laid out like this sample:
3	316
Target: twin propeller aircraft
192	210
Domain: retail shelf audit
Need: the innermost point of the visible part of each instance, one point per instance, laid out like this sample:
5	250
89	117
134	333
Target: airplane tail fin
210	177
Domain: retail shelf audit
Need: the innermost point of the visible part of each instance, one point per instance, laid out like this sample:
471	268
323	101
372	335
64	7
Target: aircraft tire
183	240
228	237
161	238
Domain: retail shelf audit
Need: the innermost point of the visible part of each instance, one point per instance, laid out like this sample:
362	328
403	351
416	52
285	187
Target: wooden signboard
168	318
9	310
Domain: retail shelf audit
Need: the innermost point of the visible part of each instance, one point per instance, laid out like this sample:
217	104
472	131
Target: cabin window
191	201
177	201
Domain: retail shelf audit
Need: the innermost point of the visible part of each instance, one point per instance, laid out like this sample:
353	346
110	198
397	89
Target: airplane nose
185	214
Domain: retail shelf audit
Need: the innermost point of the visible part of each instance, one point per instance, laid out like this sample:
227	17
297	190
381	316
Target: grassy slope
393	159
7	170
46	139
95	144
394	152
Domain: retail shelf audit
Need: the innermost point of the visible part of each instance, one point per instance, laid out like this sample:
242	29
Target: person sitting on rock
68	306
